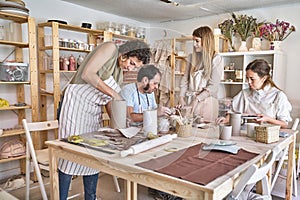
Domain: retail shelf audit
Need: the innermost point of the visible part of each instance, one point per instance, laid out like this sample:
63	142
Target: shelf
179	73
184	39
9	133
65	49
231	83
229	70
125	37
50	71
252	53
14	82
45	92
16	44
12	159
72	28
15	107
13	17
180	57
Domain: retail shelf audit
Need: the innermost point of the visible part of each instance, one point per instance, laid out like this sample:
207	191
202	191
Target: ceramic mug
164	125
251	129
225	131
235	122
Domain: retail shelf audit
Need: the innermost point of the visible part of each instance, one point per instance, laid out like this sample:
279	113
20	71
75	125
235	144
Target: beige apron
209	108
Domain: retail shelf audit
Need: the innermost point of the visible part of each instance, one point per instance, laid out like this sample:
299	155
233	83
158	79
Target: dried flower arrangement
276	32
243	25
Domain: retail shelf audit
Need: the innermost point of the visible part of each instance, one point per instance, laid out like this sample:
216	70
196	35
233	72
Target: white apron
209	108
81	113
268	109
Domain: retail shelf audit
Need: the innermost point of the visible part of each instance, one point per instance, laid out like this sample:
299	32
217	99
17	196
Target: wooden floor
105	191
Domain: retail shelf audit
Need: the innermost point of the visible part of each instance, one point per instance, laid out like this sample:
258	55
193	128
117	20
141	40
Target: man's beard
146	88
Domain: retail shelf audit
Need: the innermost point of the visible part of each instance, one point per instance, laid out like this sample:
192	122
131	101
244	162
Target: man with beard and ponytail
140	96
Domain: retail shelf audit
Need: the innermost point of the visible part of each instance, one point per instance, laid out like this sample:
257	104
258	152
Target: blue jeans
89	183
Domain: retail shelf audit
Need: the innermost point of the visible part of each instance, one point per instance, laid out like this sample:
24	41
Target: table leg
54	187
131	190
289	178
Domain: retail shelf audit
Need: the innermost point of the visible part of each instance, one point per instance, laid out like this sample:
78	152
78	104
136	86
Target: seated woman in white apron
263	98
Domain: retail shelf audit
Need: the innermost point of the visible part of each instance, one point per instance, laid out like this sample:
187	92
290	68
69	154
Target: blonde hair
208	52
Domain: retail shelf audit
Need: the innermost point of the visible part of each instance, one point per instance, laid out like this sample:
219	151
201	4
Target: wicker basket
267	133
183	130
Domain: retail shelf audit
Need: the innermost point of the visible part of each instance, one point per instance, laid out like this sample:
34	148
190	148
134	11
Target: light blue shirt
136	99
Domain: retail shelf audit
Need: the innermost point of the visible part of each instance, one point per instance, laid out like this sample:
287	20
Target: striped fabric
81	113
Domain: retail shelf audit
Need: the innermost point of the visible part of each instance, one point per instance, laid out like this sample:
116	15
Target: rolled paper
144	146
118	114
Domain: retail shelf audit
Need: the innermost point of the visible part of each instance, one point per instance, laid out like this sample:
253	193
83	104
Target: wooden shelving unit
56	30
178	45
20	86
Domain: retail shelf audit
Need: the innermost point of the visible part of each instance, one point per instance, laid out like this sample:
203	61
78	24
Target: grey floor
106	190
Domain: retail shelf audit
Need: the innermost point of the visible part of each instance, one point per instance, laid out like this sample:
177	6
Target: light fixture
173	2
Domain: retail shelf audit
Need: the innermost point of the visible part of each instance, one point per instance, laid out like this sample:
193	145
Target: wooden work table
127	169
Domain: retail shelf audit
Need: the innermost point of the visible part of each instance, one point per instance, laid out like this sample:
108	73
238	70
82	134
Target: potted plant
277	32
227	30
242	25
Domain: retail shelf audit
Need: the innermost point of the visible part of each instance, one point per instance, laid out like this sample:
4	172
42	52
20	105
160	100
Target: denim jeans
89	183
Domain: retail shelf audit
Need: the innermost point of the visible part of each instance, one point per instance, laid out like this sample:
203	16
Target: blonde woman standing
200	83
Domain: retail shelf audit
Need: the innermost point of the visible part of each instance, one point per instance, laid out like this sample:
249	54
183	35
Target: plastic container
13	71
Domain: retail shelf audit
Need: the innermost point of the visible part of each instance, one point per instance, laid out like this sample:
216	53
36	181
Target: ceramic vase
276	45
256	44
243	46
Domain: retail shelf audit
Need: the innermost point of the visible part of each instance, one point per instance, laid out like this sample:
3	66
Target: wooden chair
283	156
251	176
38	157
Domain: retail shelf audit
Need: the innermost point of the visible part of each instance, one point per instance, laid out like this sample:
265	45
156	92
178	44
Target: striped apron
81	113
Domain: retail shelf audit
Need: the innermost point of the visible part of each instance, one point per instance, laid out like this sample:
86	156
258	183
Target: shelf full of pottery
235	63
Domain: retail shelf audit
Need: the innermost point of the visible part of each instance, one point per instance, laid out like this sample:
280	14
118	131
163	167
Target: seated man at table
140	96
